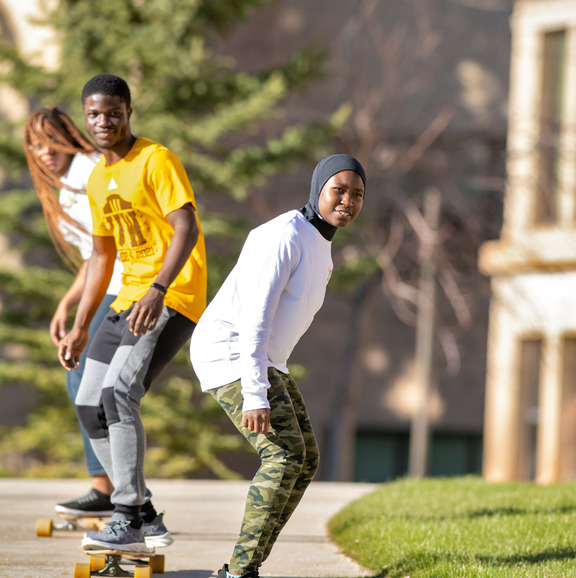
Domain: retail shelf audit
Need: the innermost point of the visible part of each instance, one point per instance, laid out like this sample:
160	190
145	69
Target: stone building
530	416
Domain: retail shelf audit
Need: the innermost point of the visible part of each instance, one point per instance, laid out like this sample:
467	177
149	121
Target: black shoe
222	573
94	503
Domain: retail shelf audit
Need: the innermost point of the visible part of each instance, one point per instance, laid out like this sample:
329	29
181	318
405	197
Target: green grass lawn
461	527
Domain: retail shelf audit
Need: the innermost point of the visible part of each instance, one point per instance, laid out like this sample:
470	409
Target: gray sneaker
118	534
156	534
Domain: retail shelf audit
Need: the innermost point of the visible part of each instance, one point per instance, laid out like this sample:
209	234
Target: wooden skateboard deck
112	562
45	526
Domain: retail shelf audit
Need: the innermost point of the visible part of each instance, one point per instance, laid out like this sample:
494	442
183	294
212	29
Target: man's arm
98	275
147	310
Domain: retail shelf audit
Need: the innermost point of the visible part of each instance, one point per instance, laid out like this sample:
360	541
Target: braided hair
53	127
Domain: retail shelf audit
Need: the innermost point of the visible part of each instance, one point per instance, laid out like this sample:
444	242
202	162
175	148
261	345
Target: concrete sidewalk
204	517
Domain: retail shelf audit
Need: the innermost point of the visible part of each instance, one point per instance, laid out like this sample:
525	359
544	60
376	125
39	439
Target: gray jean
119	370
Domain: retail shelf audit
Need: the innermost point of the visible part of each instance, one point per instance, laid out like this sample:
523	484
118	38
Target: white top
77	206
263	308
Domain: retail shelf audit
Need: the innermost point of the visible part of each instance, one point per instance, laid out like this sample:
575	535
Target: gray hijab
325	170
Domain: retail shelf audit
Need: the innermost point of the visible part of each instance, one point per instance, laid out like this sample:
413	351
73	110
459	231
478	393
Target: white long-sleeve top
76	205
263	308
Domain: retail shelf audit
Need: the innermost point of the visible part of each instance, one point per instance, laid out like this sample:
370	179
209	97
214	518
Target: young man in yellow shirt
143	208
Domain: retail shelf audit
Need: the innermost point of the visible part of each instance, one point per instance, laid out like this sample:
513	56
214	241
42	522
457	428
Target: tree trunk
338	459
420	429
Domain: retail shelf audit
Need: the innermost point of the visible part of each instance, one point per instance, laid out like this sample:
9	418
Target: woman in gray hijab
241	345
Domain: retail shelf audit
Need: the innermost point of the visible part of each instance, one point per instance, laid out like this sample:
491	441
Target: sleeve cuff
255	401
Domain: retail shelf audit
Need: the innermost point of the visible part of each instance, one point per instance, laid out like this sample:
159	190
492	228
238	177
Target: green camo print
289	455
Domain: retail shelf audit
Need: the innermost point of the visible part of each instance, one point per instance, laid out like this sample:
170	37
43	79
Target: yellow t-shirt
129	201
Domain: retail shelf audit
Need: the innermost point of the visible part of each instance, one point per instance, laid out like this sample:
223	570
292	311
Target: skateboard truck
113	568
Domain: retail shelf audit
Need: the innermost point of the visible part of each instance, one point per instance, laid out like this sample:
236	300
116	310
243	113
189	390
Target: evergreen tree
224	124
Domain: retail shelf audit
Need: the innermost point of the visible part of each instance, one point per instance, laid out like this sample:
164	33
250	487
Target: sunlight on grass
461	527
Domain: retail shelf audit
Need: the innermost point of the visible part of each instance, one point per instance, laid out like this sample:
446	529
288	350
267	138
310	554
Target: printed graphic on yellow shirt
124	223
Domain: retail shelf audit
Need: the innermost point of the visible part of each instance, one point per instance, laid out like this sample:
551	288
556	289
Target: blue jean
73	379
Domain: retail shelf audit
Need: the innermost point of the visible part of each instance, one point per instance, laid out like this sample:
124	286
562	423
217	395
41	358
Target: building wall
416	56
36	42
533	266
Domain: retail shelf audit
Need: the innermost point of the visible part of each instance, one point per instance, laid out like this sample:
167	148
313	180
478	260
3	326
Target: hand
71	347
257	420
146	312
58	325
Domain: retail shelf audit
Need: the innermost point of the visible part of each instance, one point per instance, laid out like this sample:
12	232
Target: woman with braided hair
60	157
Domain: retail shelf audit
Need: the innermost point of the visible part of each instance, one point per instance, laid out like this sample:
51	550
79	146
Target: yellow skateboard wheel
142	572
44	527
81	570
97	563
157	564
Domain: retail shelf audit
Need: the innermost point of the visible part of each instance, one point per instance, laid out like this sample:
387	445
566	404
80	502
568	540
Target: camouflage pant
289	455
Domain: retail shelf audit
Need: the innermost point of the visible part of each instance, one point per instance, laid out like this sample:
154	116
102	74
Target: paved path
204	517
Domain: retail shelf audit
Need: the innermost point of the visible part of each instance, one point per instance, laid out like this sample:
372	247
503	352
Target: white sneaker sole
89	544
83	513
159	541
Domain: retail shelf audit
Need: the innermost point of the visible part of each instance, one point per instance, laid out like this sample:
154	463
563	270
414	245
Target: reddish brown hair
51	126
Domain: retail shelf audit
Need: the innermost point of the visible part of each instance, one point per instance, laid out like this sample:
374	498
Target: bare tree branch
447	280
402	295
486	5
426	138
450	349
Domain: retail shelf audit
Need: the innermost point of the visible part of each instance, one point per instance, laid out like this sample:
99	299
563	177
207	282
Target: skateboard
45	526
111	562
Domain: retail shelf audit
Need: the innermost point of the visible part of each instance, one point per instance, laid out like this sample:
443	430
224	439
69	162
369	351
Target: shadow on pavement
210	574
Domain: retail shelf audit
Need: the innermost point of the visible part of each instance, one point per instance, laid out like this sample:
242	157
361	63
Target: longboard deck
121	553
45	526
111	562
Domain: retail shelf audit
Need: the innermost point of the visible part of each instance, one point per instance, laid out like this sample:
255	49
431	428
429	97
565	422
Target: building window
383	456
552	89
530	360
